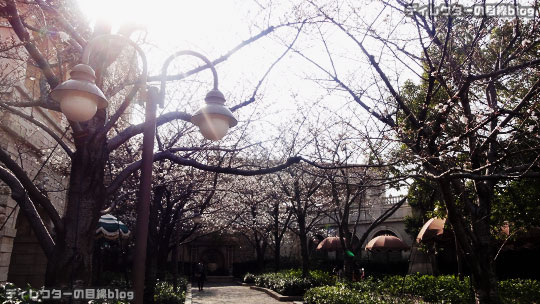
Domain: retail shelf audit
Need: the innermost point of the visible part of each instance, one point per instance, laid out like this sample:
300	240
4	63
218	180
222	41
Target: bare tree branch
252	99
29	210
133	130
15	21
33	191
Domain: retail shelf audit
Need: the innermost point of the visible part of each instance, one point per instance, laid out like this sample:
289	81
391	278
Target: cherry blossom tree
88	147
464	124
253	222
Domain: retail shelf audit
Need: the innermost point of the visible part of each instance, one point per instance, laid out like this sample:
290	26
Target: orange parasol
386	243
431	229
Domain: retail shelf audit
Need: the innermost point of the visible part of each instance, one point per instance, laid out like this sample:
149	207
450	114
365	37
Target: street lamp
80	98
213	118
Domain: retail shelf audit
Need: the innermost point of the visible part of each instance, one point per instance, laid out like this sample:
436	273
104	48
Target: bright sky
214	27
207	26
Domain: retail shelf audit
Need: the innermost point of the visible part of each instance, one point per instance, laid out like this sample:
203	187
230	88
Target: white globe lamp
79	97
214	119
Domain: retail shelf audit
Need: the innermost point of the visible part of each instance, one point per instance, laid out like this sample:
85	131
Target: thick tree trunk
476	246
277	255
72	262
348	267
277	239
484	283
303	247
162	255
260	248
345	237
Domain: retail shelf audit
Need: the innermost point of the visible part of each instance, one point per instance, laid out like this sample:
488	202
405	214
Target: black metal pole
145	187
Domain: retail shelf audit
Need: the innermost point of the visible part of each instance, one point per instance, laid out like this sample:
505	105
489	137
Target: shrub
11	294
249	278
341	294
519	291
332	295
165	293
432	289
320	278
291	283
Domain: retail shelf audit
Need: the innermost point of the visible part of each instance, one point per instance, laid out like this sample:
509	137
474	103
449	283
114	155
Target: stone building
21	257
229	254
376	204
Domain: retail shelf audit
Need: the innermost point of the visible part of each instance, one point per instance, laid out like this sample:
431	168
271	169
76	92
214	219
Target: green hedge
249	278
165	294
19	295
430	288
341	294
519	291
410	289
290	282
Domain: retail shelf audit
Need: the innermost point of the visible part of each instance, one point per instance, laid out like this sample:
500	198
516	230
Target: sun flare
192	20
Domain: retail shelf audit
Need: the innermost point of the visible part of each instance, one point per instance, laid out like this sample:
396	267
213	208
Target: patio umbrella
330	243
386	243
431	229
111	228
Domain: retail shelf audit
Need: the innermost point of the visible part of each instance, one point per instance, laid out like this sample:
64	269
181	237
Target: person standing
200	275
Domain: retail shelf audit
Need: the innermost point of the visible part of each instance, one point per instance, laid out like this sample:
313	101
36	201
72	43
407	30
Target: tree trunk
277	254
73	249
484	283
161	256
345	238
458	259
348	266
303	247
175	267
260	248
476	246
277	239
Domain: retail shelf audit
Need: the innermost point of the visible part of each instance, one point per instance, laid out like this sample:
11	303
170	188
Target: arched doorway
214	261
28	261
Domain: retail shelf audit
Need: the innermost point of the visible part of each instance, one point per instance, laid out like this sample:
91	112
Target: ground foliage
165	293
418	289
290	282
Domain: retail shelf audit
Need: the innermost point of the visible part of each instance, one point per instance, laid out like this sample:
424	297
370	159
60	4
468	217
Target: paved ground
225	293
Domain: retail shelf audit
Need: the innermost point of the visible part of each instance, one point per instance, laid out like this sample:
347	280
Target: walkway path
230	293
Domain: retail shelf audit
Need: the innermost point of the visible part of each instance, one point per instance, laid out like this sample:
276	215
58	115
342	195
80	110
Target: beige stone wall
21	259
28	261
8	232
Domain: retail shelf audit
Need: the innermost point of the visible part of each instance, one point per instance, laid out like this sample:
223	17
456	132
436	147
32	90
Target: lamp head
214	119
79	97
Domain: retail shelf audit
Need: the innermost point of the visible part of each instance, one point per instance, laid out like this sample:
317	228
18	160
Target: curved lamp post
80	99
213	118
